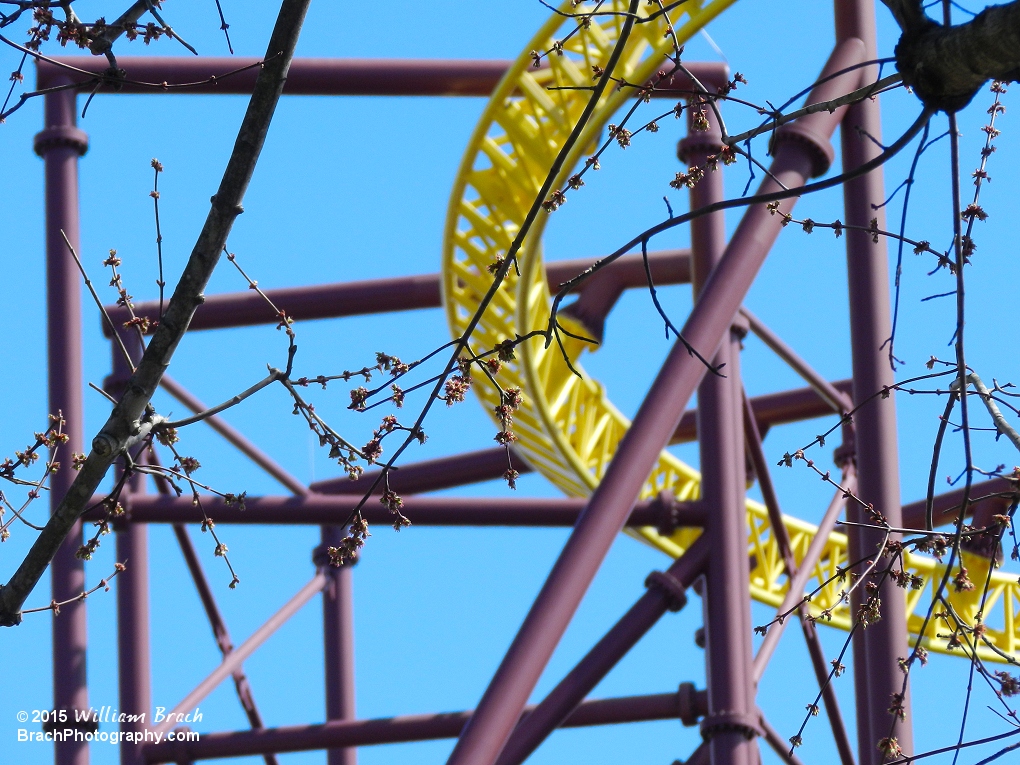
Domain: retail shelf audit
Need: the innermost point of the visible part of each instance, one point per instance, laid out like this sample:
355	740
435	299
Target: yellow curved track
567	428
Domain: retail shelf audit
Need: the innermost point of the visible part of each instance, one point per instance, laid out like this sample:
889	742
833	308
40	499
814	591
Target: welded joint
669	518
698	142
692	704
730	722
86	724
180	746
845	453
741	326
321	559
670	587
818	146
61	137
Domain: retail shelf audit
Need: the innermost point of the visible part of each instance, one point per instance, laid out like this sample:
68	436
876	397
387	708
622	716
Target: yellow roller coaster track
567	427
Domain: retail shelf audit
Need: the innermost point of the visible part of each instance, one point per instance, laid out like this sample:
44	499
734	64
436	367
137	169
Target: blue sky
356	188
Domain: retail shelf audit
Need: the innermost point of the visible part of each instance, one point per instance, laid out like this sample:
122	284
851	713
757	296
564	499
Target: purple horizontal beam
947	506
424	511
488	464
392	730
771	409
316	76
403	293
307	76
430	475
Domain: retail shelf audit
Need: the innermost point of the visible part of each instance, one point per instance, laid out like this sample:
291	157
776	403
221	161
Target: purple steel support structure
796	576
133	667
722	276
392	730
799	580
337	595
232	661
407	293
490	511
321	509
430	475
828	392
657	418
876	674
338	638
191	559
315	76
488	464
992	496
731	725
666	592
60	144
219	627
776	741
133	653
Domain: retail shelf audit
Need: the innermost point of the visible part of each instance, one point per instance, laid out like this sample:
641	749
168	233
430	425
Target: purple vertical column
60	144
133	652
338	636
876	674
731	724
133	670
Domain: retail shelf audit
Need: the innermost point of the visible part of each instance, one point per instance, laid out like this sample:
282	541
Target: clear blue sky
355	188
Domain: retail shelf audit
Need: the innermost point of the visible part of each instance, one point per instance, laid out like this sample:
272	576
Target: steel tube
770	409
657	418
876	672
233	660
392	730
837	399
319	509
212	611
489	464
799	580
133	662
205	593
338	643
821	667
430	475
606	654
756	454
700	756
798	577
133	645
60	144
220	631
317	76
403	293
729	727
946	507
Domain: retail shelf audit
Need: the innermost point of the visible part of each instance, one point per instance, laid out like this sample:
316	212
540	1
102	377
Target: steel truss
730	428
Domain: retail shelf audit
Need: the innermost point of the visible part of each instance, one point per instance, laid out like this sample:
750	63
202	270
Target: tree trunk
946	66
